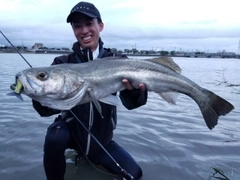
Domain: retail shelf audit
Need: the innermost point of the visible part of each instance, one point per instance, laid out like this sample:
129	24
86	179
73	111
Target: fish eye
42	75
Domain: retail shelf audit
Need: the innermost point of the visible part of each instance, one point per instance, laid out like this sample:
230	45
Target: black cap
85	8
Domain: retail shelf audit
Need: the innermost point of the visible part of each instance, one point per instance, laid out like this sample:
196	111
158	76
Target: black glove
132	99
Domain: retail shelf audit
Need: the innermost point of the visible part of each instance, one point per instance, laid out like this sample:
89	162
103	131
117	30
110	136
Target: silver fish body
66	85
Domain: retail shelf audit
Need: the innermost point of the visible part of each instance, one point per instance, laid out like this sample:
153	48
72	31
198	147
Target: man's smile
86	38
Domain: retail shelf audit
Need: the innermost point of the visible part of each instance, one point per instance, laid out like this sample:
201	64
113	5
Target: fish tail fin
216	107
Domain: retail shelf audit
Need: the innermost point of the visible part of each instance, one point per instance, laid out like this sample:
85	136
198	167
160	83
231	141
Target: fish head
50	85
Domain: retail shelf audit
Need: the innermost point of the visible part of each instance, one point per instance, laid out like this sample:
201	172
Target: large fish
66	85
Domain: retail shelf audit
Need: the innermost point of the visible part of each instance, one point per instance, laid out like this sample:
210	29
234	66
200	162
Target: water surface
168	141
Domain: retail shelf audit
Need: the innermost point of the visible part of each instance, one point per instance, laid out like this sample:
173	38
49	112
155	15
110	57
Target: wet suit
67	132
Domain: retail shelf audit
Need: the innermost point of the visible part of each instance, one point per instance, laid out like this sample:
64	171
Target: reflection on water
168	141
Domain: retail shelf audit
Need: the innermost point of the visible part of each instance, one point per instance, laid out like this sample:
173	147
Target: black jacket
102	128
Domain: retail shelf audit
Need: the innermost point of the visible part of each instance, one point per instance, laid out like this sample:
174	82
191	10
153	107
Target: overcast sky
186	25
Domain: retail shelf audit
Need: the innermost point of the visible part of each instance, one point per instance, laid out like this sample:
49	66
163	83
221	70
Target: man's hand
129	86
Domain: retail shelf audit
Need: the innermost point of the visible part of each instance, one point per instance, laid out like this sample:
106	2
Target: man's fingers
127	84
142	87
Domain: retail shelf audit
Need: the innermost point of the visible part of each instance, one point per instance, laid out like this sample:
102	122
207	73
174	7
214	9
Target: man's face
87	31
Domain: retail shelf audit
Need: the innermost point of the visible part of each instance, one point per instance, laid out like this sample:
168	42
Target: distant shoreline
59	52
127	54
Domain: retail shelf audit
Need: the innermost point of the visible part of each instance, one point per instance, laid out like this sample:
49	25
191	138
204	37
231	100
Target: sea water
169	142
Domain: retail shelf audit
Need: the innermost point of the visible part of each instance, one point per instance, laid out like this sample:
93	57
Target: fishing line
94	166
123	172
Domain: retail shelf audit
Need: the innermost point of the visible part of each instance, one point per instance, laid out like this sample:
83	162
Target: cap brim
70	16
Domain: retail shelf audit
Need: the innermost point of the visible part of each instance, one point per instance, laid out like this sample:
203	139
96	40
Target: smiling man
66	131
86	25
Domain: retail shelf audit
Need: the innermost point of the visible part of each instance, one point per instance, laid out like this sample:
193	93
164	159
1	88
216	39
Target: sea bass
67	85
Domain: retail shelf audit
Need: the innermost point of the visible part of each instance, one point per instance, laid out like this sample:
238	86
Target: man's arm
43	110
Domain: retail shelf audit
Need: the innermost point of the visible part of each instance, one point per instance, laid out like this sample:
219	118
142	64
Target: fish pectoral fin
112	100
95	101
170	97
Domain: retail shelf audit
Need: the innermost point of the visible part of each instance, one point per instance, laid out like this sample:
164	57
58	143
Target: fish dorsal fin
167	61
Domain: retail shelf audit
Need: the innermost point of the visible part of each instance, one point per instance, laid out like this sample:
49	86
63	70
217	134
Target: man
66	131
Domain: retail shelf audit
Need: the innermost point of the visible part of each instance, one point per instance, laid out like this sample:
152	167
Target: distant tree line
143	52
10	48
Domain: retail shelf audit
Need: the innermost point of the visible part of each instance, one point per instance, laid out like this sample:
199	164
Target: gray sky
187	25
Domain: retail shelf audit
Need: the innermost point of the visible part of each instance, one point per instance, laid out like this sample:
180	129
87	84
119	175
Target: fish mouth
18	86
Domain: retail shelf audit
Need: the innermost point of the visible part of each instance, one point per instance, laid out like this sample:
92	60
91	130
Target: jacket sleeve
133	99
43	110
61	59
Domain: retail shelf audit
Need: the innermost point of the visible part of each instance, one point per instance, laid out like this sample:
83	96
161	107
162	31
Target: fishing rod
123	172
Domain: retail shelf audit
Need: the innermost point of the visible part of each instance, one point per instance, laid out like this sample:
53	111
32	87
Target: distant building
179	54
37	46
225	54
114	50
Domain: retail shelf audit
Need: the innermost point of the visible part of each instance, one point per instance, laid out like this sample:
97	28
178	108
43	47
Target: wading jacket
101	128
